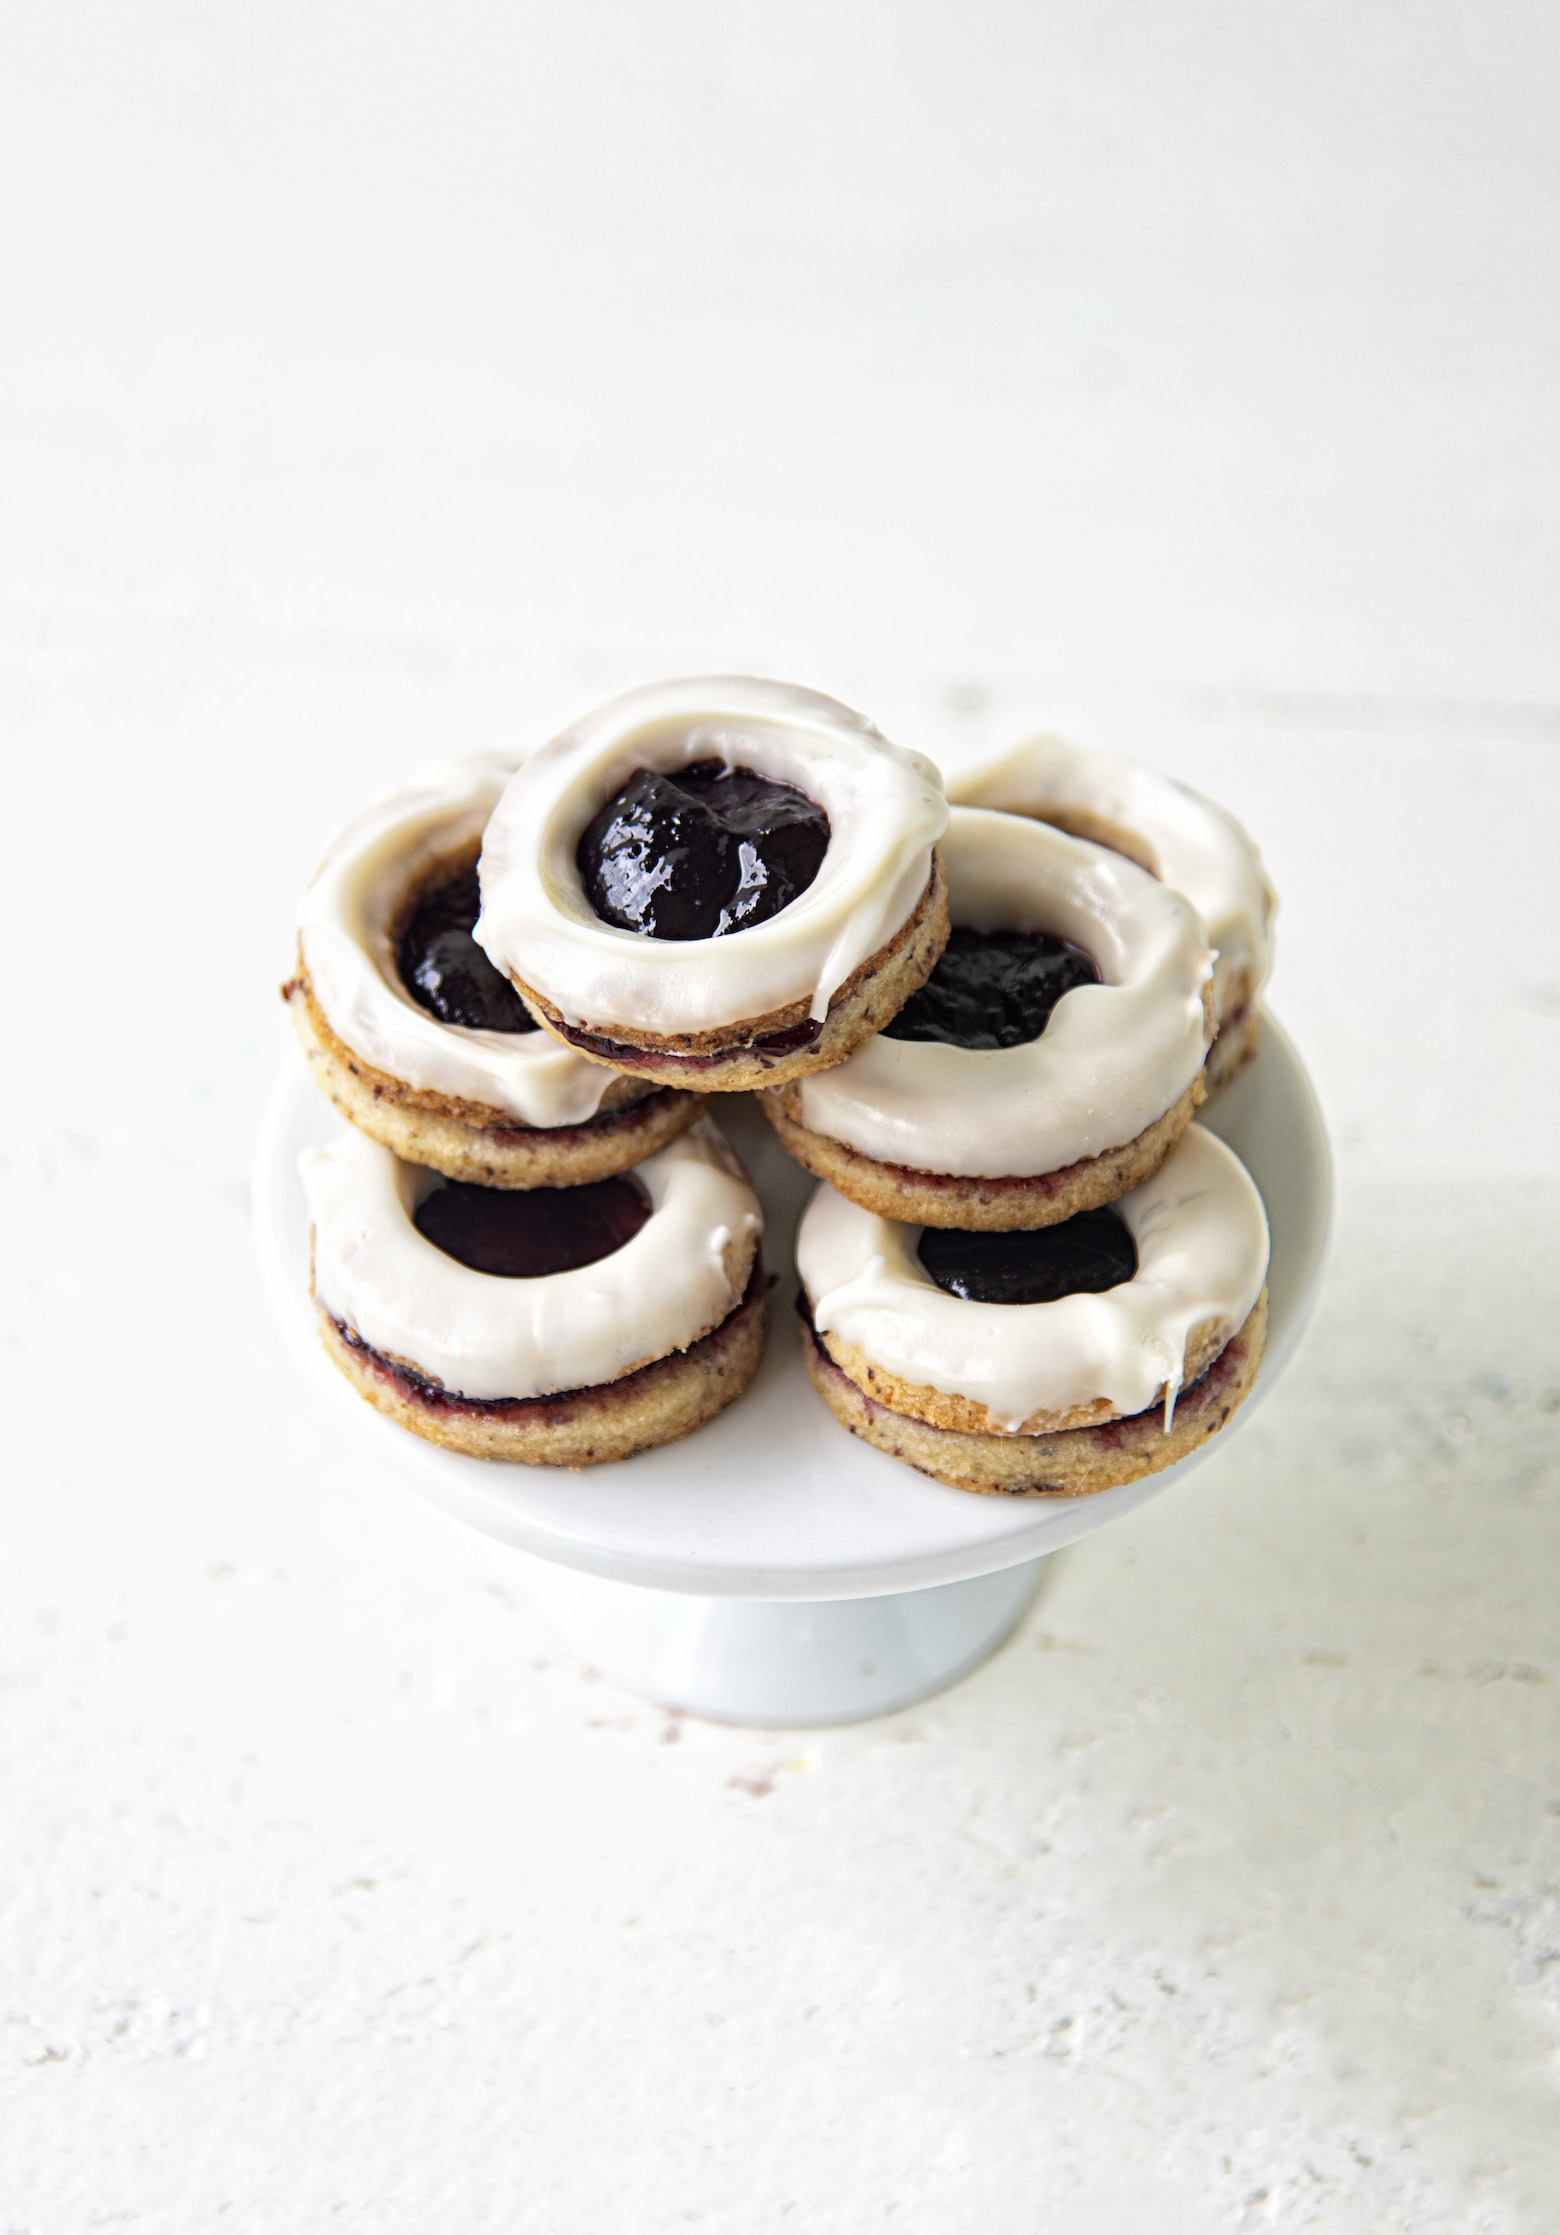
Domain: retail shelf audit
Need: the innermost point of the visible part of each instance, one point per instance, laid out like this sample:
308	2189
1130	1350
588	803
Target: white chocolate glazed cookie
346	930
484	1337
1183	839
1025	1369
885	809
1113	1060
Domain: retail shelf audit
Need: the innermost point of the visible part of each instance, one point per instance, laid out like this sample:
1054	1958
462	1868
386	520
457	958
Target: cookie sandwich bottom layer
658	1403
1071	1463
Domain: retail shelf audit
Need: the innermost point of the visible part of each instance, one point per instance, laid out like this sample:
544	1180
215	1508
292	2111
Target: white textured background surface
377	381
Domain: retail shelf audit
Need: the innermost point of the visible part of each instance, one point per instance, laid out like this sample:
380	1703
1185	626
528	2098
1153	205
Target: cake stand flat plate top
774	1500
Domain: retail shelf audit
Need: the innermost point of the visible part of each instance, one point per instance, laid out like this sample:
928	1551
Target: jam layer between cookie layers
773	1045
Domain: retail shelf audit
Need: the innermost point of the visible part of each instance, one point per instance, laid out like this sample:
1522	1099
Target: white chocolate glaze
1188	843
345	928
1202	1241
483	1336
886	811
1112	1058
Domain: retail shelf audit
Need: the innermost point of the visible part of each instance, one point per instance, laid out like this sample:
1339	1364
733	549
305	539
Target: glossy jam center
445	971
992	989
1081	1257
525	1234
701	851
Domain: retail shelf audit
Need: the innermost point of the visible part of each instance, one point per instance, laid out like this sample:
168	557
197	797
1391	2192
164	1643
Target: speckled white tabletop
381	383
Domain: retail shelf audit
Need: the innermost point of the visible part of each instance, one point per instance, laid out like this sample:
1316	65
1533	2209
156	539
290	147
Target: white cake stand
772	1569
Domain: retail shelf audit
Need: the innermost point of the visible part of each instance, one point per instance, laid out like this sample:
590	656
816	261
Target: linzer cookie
414	1036
1051	1061
558	1327
1173	833
1057	1361
717	884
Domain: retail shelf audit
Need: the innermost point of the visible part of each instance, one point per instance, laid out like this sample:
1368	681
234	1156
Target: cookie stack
986	1029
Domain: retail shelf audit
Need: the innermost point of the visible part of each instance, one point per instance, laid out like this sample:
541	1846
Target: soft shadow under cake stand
772	1569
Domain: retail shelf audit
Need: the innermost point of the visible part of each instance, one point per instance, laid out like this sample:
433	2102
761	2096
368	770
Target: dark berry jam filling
992	989
525	1234
1082	1257
445	971
700	851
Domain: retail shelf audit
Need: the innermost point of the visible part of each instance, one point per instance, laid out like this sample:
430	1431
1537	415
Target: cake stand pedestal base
788	1663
